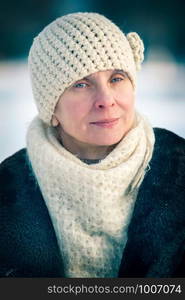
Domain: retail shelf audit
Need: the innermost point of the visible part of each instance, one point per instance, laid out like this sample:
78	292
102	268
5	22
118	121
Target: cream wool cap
74	46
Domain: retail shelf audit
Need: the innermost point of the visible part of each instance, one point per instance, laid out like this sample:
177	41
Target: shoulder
16	158
14	164
165	137
16	174
168	144
168	160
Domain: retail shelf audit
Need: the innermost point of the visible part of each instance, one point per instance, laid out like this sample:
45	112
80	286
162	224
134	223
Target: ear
54	121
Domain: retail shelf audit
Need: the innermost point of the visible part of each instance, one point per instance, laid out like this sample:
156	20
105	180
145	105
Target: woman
97	192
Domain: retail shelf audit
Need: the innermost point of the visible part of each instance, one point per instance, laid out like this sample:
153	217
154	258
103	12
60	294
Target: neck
83	150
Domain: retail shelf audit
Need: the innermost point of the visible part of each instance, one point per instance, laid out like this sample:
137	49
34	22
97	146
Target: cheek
73	111
81	109
127	101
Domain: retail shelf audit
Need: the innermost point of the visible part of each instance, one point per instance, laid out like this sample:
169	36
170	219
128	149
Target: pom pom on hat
74	46
137	47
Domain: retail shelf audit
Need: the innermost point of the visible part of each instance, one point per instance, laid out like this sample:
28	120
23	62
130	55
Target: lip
107	123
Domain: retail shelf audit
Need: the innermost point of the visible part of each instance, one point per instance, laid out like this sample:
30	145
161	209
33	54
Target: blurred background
160	92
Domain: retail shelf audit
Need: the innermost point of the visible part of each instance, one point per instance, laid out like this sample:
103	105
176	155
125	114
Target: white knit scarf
90	205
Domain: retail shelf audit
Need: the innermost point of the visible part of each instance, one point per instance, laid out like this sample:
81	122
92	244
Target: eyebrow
113	72
120	72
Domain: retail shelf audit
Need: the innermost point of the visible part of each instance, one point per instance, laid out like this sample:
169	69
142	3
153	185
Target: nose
104	98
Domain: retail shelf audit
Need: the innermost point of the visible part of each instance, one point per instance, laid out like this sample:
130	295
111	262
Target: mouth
106	123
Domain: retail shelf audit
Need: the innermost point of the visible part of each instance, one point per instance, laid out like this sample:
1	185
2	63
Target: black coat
156	234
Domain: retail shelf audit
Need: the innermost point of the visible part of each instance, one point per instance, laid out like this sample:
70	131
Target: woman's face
97	110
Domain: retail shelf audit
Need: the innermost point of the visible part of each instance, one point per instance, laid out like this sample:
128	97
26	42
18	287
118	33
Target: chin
106	141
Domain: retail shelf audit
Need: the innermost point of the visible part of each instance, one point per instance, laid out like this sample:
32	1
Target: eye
116	79
80	85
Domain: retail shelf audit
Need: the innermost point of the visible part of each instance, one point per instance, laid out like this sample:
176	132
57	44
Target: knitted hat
75	46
